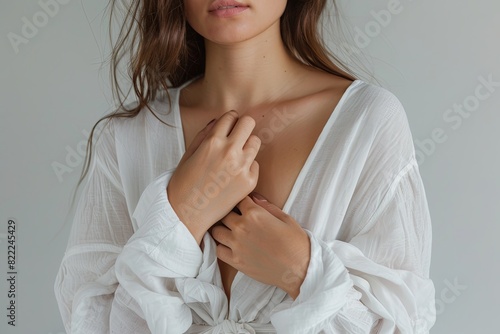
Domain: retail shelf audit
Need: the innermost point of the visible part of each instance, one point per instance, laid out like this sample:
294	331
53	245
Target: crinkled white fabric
131	266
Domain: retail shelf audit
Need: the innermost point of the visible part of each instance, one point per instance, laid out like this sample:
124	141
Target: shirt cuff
323	293
165	238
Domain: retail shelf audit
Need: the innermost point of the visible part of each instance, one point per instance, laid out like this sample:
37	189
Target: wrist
294	277
294	290
196	231
291	282
188	218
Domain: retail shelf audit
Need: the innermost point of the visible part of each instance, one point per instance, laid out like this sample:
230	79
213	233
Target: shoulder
385	123
132	119
357	96
372	119
136	134
363	104
375	112
377	103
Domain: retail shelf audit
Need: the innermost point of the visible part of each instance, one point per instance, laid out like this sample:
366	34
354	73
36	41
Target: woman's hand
217	171
264	243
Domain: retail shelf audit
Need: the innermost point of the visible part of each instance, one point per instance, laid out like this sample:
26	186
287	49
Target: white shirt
131	266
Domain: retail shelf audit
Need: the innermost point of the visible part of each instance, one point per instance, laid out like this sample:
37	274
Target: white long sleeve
376	282
132	267
86	282
160	251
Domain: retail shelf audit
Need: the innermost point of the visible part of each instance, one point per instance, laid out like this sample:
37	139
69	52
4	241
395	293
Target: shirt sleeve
377	281
86	282
104	251
158	259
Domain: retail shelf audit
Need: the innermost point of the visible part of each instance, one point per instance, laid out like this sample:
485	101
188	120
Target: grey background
430	55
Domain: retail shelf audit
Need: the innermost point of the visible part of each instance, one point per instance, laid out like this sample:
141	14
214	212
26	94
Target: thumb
270	207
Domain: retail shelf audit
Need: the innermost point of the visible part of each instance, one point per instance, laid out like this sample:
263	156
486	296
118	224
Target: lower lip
228	12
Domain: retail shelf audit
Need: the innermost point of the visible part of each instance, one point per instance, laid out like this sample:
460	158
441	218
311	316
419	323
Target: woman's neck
251	73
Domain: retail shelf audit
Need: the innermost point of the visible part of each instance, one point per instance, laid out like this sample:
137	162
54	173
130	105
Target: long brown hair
164	51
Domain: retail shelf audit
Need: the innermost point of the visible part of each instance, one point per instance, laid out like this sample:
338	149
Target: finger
242	130
225	254
246	204
225	123
218	223
252	146
254	170
198	139
231	219
222	235
270	207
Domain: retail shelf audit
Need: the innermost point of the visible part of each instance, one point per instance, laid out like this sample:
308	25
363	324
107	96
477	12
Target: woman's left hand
264	243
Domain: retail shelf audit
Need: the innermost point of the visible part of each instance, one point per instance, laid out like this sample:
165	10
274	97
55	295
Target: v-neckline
312	154
303	171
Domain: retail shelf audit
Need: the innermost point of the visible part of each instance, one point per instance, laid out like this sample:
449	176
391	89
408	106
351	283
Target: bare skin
282	154
249	70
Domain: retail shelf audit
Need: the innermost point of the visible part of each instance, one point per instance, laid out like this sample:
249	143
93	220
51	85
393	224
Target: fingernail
210	122
258	197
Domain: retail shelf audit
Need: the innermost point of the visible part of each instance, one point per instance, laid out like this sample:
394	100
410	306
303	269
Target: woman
285	198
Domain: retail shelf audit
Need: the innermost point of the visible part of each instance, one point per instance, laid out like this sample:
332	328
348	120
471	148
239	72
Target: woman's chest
286	144
280	164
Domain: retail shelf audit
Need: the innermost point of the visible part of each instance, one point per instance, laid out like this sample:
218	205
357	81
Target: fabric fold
132	266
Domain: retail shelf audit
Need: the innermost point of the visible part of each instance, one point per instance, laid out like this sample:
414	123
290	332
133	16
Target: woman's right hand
216	172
